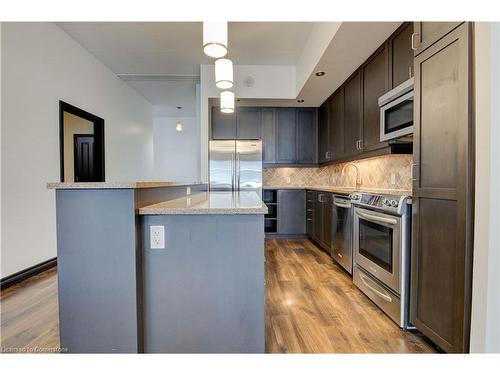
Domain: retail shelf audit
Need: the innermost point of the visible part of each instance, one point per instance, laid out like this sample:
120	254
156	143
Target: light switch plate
188	190
157	236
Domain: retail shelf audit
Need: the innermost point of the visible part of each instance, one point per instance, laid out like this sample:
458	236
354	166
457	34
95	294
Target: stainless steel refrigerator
236	165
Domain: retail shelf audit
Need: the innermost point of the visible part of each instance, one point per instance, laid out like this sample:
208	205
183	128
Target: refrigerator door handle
233	178
237	171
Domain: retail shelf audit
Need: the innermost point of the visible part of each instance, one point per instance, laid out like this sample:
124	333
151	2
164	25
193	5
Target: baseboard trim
27	273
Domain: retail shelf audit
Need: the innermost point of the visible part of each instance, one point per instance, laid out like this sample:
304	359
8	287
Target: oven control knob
354	197
394	203
386	202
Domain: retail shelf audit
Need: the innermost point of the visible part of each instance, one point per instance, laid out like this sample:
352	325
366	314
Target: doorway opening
81	136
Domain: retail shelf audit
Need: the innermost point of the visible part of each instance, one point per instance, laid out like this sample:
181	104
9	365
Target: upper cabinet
401	55
352	115
427	33
323	138
375	84
286	135
248	119
289	134
336	124
306	136
352	111
223	124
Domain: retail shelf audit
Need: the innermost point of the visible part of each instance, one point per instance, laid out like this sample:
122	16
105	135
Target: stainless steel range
381	247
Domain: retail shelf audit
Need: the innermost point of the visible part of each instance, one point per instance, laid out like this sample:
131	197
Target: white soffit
351	45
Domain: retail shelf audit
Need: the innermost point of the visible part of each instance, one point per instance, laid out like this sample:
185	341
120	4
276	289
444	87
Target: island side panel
204	293
97	258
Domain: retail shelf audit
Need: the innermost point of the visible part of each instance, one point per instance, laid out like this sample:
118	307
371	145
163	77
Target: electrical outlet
188	190
393	178
157	236
288	180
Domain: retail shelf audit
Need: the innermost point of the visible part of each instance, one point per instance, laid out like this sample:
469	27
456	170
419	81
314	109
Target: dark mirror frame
98	136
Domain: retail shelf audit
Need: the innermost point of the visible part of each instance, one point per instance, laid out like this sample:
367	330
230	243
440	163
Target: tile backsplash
389	172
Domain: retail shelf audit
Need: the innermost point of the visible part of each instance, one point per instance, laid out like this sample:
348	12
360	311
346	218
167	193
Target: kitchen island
203	292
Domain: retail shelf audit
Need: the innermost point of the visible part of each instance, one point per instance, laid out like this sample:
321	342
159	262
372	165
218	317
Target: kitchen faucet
358	177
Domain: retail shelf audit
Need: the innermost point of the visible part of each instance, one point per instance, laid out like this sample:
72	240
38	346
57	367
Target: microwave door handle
378	219
384	296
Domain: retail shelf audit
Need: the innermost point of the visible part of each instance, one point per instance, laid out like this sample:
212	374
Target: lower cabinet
322	219
291	211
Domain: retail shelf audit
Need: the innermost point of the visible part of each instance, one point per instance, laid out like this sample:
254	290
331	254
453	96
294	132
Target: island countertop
213	203
118	185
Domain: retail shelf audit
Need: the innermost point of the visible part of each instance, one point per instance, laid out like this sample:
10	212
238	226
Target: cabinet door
268	132
326	234
375	84
223	124
352	115
442	192
323	146
427	33
286	135
306	136
248	120
401	56
336	124
318	216
291	211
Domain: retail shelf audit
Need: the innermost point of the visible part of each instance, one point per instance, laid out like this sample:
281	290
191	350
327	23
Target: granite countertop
340	190
117	185
210	203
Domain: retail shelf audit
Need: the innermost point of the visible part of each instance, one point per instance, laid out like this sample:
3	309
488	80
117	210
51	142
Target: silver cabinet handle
414	171
309	219
340	255
413	41
357	144
343	205
366	281
377	219
410	71
361	144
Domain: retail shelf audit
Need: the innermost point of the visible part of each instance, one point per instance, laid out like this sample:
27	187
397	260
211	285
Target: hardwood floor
29	315
312	306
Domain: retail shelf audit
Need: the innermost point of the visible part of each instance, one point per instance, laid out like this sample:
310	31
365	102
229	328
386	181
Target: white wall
176	154
485	324
41	65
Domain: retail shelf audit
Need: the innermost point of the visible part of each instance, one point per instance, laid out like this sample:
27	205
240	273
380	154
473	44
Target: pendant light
178	127
215	39
224	73
227	101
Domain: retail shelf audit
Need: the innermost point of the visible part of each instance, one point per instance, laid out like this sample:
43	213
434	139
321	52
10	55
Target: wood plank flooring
312	306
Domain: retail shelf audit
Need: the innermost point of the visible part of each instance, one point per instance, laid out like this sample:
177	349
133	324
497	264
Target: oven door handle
378	219
365	280
343	205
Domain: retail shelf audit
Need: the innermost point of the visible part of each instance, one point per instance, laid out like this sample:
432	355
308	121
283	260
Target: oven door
377	245
396	118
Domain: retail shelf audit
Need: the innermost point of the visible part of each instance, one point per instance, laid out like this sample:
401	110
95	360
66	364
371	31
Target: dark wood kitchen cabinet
427	33
443	197
248	123
374	84
322	219
336	124
401	55
291	211
223	124
306	136
286	135
323	134
268	133
352	115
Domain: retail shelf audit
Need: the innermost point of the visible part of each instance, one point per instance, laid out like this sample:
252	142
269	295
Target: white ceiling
174	49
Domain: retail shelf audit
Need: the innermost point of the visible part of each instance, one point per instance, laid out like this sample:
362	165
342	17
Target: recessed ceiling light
319	74
300	100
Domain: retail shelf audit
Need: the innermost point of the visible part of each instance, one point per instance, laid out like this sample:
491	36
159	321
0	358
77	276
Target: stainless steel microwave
396	112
